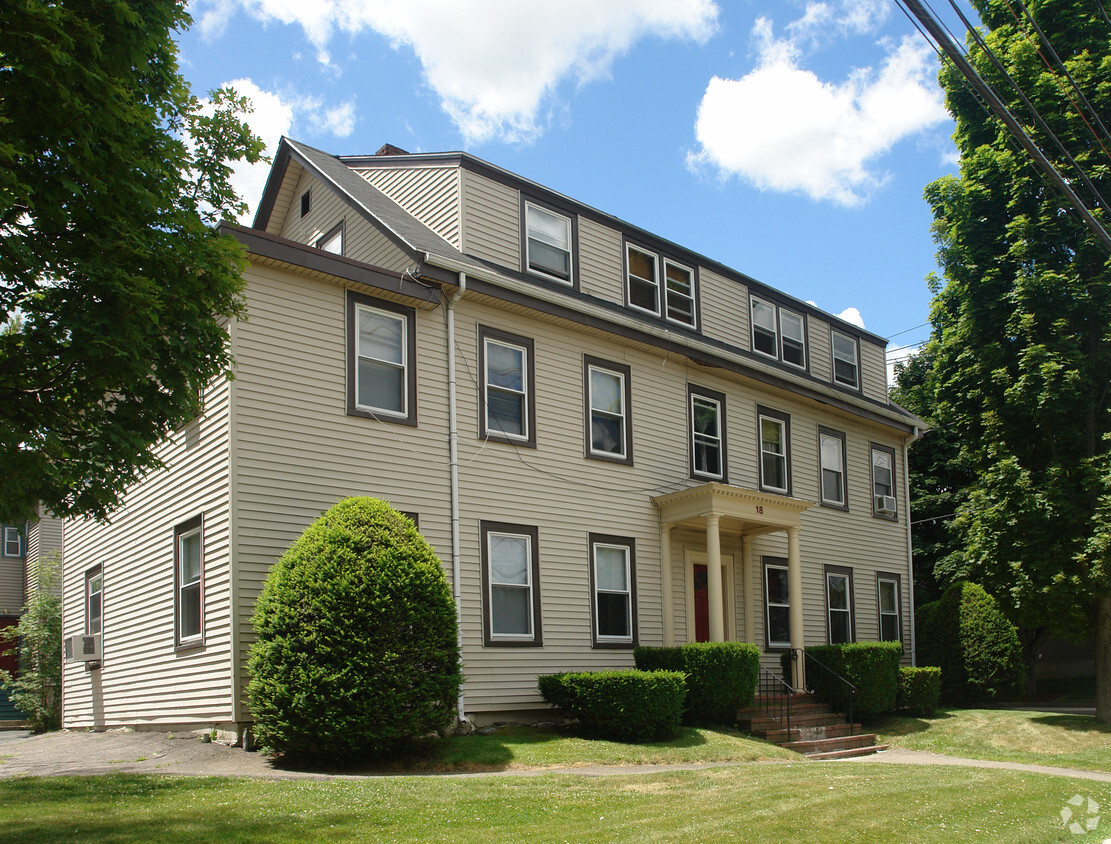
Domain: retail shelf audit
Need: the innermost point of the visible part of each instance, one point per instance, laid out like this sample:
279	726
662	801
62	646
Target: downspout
453	460
910	547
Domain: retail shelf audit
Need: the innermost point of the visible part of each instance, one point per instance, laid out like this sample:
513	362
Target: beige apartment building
609	439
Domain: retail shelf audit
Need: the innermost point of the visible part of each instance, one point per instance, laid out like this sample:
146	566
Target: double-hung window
883	482
777	605
94	601
839	603
765	329
831	455
508	412
778	333
707	434
846	368
679	301
775	455
888	589
332	240
510	584
672	298
613	582
13	542
643	269
608	422
793	340
189	583
548	237
381	349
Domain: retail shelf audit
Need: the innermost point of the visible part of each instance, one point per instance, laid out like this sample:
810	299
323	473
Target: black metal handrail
810	659
775	697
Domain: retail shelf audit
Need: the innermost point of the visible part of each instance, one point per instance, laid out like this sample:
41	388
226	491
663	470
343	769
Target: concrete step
816	719
848	754
778	736
830	743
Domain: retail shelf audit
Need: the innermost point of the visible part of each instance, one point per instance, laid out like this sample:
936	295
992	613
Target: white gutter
453	460
557	297
910	547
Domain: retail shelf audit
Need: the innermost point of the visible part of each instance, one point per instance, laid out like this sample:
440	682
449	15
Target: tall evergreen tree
1022	325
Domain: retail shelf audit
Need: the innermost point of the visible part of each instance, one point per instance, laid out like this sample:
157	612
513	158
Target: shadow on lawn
903	725
1083	723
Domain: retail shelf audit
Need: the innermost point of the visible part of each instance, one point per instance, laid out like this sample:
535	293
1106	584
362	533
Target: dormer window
668	292
548	243
846	368
765	333
644	280
778	333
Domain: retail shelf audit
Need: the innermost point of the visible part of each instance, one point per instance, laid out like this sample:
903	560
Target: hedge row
721	676
919	691
623	705
873	667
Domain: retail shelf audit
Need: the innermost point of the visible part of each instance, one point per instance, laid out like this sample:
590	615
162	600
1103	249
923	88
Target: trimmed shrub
919	691
873	667
721	676
658	659
975	645
356	649
619	705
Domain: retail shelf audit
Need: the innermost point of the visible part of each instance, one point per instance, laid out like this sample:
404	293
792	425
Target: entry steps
816	730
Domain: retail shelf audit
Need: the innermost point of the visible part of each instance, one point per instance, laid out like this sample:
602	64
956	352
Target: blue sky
789	140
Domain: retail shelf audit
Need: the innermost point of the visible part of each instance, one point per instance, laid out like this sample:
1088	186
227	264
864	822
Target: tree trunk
1031	639
1103	659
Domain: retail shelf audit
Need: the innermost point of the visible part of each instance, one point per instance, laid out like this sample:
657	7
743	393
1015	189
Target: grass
775	802
1040	738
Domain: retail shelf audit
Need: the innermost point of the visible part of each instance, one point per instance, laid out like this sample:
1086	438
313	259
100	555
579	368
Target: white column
665	586
794	597
750	587
713	578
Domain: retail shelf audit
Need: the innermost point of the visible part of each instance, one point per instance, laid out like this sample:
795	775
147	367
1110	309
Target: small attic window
306	202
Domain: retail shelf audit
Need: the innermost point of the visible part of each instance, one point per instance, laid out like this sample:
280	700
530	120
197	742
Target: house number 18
760	509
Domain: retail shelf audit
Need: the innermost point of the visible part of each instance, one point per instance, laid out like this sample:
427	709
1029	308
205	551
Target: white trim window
884	502
679	299
13	542
608	424
381	361
707	437
773	454
548	243
792	343
839	601
506	389
510	584
765	331
189	559
846	366
831	454
612	575
777	606
332	240
642	279
94	601
890	618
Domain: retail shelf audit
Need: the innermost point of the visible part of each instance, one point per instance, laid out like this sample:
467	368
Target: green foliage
967	635
356	649
115	287
721	679
37	638
1022	354
873	667
919	690
658	659
619	705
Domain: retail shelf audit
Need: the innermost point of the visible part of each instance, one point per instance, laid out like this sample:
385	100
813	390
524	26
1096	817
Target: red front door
701	606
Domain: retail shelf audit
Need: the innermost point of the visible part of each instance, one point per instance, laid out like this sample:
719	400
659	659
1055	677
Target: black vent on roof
390	149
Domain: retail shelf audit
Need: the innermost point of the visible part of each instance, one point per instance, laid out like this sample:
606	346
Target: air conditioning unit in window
885	504
83	648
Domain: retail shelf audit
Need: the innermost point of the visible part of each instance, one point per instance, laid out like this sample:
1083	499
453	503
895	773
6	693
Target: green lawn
1041	738
770	802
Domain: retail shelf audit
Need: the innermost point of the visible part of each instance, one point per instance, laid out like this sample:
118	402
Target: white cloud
782	128
495	64
276	114
852	315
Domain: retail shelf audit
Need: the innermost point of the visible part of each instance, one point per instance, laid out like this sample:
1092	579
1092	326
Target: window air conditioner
885	504
84	648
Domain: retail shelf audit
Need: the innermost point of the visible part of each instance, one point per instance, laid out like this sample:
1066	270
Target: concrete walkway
88	754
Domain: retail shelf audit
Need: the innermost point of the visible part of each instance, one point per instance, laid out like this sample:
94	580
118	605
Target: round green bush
919	690
357	648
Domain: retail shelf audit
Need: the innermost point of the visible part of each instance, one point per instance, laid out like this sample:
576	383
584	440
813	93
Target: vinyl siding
431	194
11	585
724	305
44	542
284	200
873	370
491	220
362	241
601	271
143	680
818	343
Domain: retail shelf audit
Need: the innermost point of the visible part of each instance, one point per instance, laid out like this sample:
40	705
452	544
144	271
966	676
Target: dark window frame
355	299
897	579
533	532
663	259
714	396
778	563
805	365
833	333
306	202
193	525
626	372
340	229
573	218
484	433
785	419
847	573
888	450
844	503
778	309
613	643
